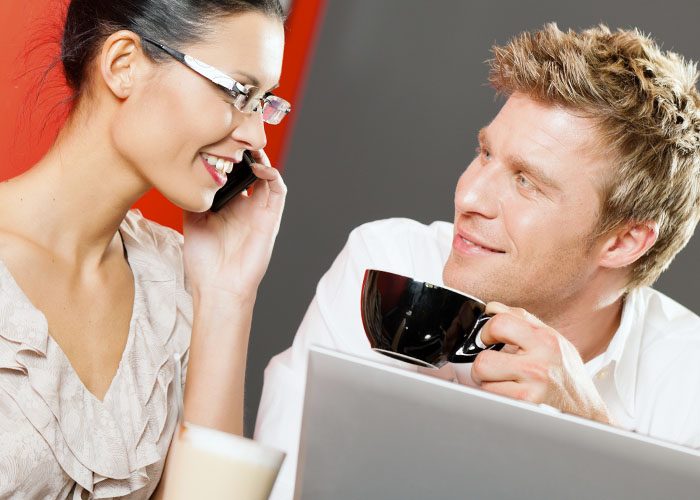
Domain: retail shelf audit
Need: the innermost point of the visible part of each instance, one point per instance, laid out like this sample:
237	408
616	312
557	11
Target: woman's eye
229	99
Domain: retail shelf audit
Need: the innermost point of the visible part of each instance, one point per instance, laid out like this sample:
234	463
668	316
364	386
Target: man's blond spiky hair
647	109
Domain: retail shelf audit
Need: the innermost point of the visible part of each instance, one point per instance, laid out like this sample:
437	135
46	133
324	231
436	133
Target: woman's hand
227	252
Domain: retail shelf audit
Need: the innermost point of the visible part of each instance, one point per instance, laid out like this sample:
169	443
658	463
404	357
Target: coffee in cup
215	465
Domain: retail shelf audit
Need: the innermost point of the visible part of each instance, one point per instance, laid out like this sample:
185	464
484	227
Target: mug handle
467	353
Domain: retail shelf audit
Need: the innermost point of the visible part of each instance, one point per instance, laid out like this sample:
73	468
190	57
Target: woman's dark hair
173	22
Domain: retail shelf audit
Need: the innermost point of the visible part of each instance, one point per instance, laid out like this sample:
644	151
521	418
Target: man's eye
481	151
524	182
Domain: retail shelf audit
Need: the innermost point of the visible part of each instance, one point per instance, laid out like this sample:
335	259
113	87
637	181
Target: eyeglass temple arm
179	56
172	52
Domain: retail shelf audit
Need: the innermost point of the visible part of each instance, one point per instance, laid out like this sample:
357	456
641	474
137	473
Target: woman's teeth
222	166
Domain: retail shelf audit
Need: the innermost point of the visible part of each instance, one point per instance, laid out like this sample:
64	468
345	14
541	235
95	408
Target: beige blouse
56	439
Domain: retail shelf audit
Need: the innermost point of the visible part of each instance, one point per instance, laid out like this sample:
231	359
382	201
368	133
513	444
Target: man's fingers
498	308
494	366
510	349
505	328
509	389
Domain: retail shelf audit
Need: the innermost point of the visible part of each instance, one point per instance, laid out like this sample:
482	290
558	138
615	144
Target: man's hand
538	365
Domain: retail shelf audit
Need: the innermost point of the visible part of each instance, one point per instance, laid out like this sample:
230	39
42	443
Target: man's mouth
471	244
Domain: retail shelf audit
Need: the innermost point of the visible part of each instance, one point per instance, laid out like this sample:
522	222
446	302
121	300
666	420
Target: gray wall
367	145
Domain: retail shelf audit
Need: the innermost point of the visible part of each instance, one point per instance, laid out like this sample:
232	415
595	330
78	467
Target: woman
98	304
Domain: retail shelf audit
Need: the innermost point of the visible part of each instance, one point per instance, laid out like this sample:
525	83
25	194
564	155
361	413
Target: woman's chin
193	204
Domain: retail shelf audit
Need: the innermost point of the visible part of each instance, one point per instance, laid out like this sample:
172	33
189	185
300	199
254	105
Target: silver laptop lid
372	431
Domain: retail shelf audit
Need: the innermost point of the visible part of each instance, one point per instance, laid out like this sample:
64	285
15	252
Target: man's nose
478	191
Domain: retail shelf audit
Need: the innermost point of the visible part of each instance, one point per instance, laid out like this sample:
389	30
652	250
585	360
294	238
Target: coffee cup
421	323
206	463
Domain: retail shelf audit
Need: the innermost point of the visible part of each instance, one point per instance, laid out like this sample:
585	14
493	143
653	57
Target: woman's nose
251	131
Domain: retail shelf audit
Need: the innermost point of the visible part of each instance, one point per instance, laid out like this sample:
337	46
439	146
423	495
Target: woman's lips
218	177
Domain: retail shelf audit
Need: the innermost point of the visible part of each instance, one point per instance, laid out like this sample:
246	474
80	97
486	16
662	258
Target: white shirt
649	376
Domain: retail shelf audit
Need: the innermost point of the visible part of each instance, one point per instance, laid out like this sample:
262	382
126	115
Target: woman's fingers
275	190
260	190
260	156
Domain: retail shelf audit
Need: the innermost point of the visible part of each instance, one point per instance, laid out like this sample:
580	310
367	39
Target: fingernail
496	308
479	343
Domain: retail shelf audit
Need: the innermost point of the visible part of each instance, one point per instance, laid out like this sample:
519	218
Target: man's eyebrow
521	164
482	136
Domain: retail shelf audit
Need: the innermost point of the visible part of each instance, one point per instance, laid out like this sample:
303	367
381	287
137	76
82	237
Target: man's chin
472	282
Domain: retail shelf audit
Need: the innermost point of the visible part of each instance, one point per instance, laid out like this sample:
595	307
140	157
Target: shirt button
602	374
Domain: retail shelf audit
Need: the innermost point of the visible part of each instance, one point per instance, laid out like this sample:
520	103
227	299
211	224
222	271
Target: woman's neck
73	200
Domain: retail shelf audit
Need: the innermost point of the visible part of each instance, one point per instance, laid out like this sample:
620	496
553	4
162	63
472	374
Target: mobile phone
240	178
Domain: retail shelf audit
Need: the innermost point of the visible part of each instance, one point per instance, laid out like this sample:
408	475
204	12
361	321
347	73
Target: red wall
29	37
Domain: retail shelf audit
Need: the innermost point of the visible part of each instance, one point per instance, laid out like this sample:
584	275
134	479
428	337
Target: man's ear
628	243
119	62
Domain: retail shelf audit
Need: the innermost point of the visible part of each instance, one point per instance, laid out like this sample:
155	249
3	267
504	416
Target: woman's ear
628	243
120	61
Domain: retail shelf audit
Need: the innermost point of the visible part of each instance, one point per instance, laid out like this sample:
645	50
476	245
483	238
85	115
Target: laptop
375	431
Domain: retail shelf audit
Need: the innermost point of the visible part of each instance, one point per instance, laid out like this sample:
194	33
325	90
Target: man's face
526	207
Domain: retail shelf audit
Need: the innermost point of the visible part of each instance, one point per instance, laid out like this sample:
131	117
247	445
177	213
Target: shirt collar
20	322
622	354
24	325
143	249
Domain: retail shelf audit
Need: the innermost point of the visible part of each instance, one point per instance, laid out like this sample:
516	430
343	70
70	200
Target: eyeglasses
245	100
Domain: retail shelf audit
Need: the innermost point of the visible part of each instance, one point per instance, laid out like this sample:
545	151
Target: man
585	186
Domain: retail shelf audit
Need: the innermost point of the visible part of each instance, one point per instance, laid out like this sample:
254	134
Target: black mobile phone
240	178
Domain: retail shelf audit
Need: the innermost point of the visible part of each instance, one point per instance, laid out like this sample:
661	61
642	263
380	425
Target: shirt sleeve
333	321
671	403
279	415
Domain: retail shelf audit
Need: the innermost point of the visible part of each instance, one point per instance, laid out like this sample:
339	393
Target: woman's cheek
221	120
144	123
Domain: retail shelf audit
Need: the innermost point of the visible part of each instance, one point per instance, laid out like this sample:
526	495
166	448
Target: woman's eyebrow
253	81
247	76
